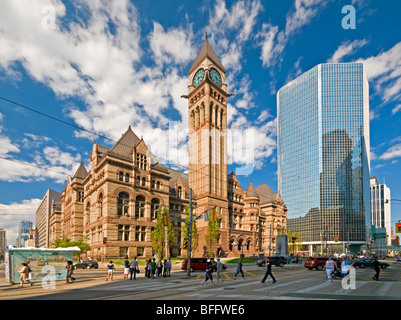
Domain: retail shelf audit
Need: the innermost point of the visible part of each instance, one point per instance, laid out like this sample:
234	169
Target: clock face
200	74
215	76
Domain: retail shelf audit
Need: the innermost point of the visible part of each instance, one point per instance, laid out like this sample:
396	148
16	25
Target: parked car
319	263
368	263
199	264
88	264
277	261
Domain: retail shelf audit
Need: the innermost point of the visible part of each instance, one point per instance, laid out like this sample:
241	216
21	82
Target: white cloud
391	153
173	46
273	41
384	71
396	109
346	49
11	214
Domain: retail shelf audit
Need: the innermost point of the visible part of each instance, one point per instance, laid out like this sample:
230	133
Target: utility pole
189	234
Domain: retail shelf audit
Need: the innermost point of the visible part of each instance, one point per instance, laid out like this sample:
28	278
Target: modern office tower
323	157
381	207
23	232
3	241
43	218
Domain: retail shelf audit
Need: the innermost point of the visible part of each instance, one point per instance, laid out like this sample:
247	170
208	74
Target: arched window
139	207
143	182
127	177
158	185
154	207
122	204
121	176
101	205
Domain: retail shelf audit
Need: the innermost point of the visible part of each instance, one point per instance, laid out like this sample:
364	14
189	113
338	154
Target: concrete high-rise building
43	218
381	207
323	156
3	241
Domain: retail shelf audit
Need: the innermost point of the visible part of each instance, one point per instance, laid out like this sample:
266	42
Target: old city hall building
115	203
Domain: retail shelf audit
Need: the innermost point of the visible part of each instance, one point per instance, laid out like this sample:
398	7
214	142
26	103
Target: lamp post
293	244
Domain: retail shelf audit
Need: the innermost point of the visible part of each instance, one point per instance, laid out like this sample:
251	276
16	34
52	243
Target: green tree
293	244
212	236
64	242
158	236
194	231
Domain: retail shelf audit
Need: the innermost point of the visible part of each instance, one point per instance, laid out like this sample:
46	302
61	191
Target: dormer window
179	192
141	161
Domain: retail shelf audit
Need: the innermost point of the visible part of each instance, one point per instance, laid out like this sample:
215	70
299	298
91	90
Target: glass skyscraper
323	156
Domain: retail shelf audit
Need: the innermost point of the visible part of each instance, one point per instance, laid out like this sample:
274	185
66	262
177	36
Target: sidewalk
10	292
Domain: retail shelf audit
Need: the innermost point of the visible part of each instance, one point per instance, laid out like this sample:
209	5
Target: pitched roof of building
207	52
266	194
251	191
81	172
125	145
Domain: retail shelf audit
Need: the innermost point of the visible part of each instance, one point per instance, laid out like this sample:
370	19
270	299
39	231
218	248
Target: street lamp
293	244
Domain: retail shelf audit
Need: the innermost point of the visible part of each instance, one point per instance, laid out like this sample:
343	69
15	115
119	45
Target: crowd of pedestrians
152	270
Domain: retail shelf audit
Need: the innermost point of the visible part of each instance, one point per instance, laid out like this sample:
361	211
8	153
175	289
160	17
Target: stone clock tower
207	107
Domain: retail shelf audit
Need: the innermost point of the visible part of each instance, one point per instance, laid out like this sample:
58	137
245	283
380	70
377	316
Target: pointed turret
251	191
207	52
81	172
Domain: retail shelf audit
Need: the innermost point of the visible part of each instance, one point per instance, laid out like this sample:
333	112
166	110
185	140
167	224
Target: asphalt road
293	282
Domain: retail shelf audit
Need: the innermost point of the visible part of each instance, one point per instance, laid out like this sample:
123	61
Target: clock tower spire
207	107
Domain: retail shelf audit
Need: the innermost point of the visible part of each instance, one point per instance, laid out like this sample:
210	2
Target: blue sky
105	65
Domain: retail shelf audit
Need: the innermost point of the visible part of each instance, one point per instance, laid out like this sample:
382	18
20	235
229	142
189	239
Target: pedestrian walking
159	268
345	267
219	270
24	275
134	268
376	266
153	267
110	270
127	268
239	269
268	271
209	274
148	268
169	265
330	267
165	268
70	270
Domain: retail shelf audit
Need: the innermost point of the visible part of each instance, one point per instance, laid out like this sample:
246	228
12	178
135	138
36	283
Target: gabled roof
125	145
81	172
207	52
266	194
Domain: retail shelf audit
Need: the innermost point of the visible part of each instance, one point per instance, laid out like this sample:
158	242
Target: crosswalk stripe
235	285
316	287
290	283
358	285
249	273
384	288
226	275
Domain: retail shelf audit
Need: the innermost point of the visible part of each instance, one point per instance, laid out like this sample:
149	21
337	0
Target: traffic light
213	217
165	220
336	239
398	227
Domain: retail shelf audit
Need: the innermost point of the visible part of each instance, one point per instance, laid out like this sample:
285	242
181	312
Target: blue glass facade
323	153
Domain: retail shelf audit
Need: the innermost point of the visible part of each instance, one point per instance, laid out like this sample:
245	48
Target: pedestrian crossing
250	289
